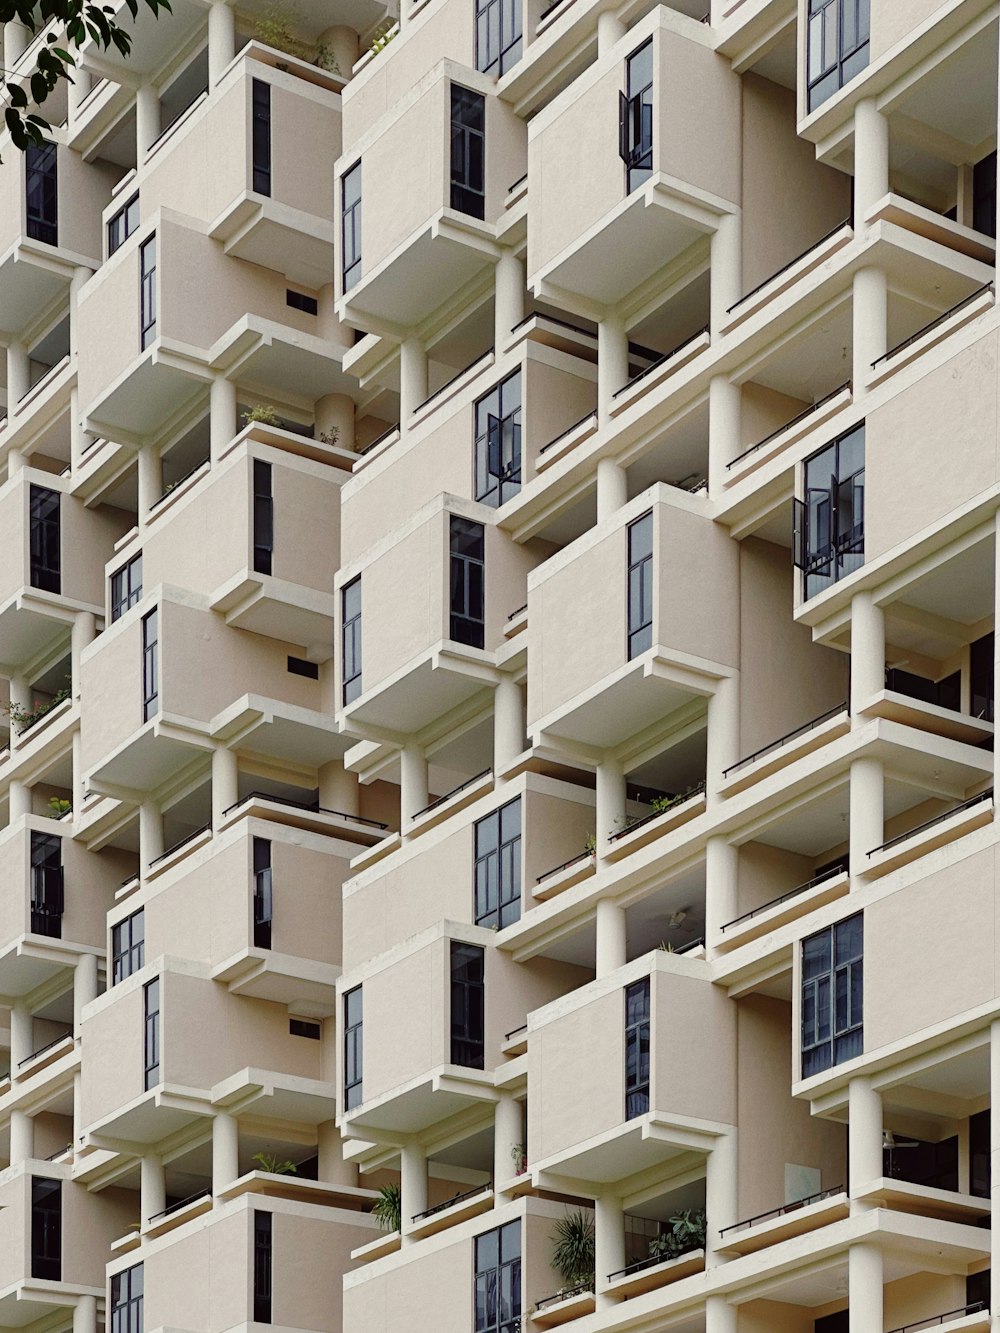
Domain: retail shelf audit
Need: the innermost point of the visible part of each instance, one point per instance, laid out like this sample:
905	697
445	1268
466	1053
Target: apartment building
482	766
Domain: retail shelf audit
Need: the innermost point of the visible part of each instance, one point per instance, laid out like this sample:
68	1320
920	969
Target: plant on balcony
331	435
573	1249
686	1232
590	844
325	59
263	413
274	28
519	1156
23	718
59	807
276	1166
382	40
387	1209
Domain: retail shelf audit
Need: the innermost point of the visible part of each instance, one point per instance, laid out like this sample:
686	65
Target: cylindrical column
508	299
412	1184
724	442
18	374
333	1169
338	788
340	46
610	29
412	378
871	323
508	1139
610	802
221	40
152	1187
84	986
412	781
867	651
720	1316
611	931
721	1197
508	723
16	38
865	1149
18	800
85	1315
225	1151
76	285
609	1244
864	1268
225	783
150	479
22	1137
871	158
77	439
723	739
147	120
83	633
335	420
612	362
80	88
22	1030
222	395
150	833
612	487
722	868
867	812
727	270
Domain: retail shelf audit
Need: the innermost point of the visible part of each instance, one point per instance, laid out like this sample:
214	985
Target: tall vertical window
126	1301
41	189
498	1280
350	226
637	1048
635	118
979	1154
498	866
147	292
123	224
468	151
262	1259
468	582
837	45
640	585
128	946
44	538
353	1048
498	442
262	914
828	540
261	148
263	518
832	995
46	885
982	676
150	665
498	35
151	1033
46	1229
126	587
350	644
468	1005
984	195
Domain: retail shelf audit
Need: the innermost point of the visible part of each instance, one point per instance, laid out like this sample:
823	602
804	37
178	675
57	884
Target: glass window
637	1049
123	224
350	226
837	45
984	195
498	1280
262	910
979	1154
46	1229
497	890
262	1258
261	149
498	35
126	1301
44	539
468	151
832	995
468	1004
147	292
46	885
151	1039
635	118
468	582
263	518
828	541
126	587
350	603
41	187
150	665
498	443
640	585
982	676
128	946
353	1048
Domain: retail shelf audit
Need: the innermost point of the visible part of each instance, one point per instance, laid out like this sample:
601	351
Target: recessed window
46	1229
298	666
263	907
261	136
150	665
640	585
468	151
128	946
263	518
635	118
497	1293
837	43
127	1301
262	1260
637	1030
44	538
46	885
468	582
828	538
299	301
353	1048
151	1035
498	35
123	224
497	889
350	605
833	995
300	1027
350	227
126	587
468	1005
498	443
41	187
147	292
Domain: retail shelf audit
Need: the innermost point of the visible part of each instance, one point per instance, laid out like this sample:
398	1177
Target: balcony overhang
285	240
32	277
305	1101
278	609
413	1107
22	1303
305	986
149	1118
32	620
151	392
269	356
32	960
279	730
445	677
151	755
646	1144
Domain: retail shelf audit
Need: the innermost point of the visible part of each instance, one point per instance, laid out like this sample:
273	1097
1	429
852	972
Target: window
498	866
41	190
263	518
832	995
150	665
350	226
126	1301
833	1323
151	1036
262	1256
261	149
301	1027
468	151
498	1280
128	946
640	585
498	35
353	1048
46	1229
979	1154
126	587
298	666
468	1005
123	224
828	539
468	592
635	118
44	539
147	292
262	913
350	647
922	1163
299	301
637	1049
982	676
984	195
838	45
46	885
498	443
977	1289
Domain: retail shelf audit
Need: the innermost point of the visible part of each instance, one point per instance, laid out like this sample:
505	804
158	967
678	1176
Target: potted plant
59	807
263	413
686	1232
275	1165
573	1249
519	1156
387	1209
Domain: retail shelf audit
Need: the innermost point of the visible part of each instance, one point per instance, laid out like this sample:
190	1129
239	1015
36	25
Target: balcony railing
783	1210
591	416
977	1307
802	416
180	1203
309	807
450	1203
42	1049
938	819
176	485
661	361
580	856
580	1289
640	1264
487	355
691	794
182	842
440	800
514	1031
846	222
378	440
967	300
831	873
789	736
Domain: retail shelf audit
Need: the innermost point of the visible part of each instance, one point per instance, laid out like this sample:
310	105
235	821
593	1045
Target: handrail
939	319
550	10
977	1307
200	96
782	740
457	376
938	819
181	1203
662	360
520	181
56	365
784	897
689	947
552	319
205	463
514	614
847	222
440	800
378	440
692	792
305	806
580	856
785	1208
458	1198
189	837
42	1049
514	1031
640	1264
586	1286
813	407
568	431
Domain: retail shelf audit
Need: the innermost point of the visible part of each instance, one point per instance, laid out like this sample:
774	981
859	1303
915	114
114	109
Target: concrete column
221	40
152	1187
867	812
147	120
342	44
864	1267
995	1154
723	739
508	723
18	799
871	323
222	395
77	439
871	159
150	480
225	782
79	90
85	1315
722	868
964	200
412	1183
83	633
867	650
727	270
721	1197
610	802
508	298
508	1137
612	362
16	38
412	378
225	1151
333	1169
338	788
77	1094
84	987
18	375
335	415
412	781
22	1137
76	789
612	488
720	1316
15	461
865	1159
611	949
724	439
609	1244
20	701
150	833
76	285
22	1037
610	29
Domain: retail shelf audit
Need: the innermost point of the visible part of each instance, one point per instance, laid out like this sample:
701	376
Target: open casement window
635	118
828	537
498	443
46	885
262	905
837	39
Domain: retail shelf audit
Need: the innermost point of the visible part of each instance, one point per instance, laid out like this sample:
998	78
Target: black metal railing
520	181
56	1041
938	819
309	807
551	9
180	1203
205	463
450	1203
806	412
689	947
514	1031
934	1321
440	800
651	1262
789	736
378	440
182	842
940	319
565	1294
783	1210
514	614
48	373
580	856
690	795
188	106
551	319
592	415
457	376
832	873
661	361
791	264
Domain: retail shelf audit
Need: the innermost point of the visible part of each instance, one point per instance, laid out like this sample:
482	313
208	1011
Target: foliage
274	28
331	435
383	39
277	1166
325	59
59	807
78	20
387	1209
23	718
262	412
686	1232
590	844
519	1156
573	1248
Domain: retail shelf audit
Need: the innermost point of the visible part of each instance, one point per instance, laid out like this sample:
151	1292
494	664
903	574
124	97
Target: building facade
485	776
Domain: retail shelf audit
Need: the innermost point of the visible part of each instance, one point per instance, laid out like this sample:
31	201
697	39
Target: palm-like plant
387	1209
573	1252
686	1232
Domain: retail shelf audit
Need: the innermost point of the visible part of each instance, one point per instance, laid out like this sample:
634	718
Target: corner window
46	1229
150	665
126	1301
984	195
261	146
498	1280
498	867
46	885
126	587
151	1035
828	539
44	539
350	227
837	45
640	585
498	35
123	224
262	1259
147	292
635	118
468	151
350	645
41	189
832	995
637	1049
262	913
468	585
263	518
128	946
468	1005
353	1048
498	443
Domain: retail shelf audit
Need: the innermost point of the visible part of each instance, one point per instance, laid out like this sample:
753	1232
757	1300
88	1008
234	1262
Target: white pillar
722	868
221	40
412	378
338	788
85	1315
611	931
18	800
508	1137
867	820
18	375
871	159
864	1165
721	1194
508	723
222	395
610	29
16	38
22	1038
871	323
612	487
83	633
335	417
225	1151
723	739
612	362
22	1137
333	1170
864	1266
609	802
76	285
412	782
150	480
720	1316
724	441
342	43
79	90
147	120
412	1184
727	270
150	833
508	298
609	1244
152	1187
84	987
867	650
225	782
77	439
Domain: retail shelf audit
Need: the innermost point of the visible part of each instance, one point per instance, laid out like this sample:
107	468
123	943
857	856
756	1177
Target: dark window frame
638	1026
150	663
350	640
467	972
496	1281
350	227
828	526
837	40
497	444
47	885
499	35
126	587
639	585
122	224
354	1023
45	538
496	883
126	1301
832	996
46	1228
128	948
263	1265
467	581
151	1033
263	897
468	151
41	192
147	292
263	518
260	153
635	117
